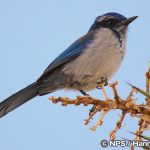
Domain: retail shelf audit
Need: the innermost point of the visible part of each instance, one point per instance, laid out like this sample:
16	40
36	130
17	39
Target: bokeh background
32	34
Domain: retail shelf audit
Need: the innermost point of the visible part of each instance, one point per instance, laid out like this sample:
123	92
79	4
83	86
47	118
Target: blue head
111	20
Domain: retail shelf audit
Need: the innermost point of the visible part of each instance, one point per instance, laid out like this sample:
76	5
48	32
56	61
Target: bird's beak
127	21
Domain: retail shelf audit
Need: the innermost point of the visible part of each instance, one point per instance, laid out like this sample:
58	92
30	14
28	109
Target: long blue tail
18	99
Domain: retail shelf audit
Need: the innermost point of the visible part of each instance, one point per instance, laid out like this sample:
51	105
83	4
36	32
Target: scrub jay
92	59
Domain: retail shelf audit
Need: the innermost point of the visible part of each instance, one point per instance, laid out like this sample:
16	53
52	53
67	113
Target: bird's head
113	21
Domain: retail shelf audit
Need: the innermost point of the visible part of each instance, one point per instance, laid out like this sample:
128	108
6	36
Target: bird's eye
109	22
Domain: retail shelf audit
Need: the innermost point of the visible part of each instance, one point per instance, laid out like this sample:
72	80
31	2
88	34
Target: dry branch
127	106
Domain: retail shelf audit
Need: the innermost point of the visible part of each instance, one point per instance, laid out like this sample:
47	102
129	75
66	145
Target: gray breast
102	58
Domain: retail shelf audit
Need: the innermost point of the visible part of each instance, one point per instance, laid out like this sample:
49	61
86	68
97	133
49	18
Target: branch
127	106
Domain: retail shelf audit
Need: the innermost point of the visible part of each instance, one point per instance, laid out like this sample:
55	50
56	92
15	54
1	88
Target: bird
92	59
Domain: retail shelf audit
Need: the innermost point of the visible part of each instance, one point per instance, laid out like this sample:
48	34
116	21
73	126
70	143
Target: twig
143	124
112	134
104	92
97	108
100	120
113	86
128	107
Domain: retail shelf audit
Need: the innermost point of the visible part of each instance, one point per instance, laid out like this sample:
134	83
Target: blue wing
72	52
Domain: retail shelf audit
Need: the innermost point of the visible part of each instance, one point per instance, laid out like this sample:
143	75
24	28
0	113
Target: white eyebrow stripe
106	18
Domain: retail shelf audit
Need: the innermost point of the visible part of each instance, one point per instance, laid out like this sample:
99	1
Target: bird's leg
100	85
84	93
93	108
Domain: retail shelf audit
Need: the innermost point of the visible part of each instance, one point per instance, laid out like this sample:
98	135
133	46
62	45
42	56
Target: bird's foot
103	82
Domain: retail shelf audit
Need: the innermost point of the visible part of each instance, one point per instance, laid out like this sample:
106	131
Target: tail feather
18	99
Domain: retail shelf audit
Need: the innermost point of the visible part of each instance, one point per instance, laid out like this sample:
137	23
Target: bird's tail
18	99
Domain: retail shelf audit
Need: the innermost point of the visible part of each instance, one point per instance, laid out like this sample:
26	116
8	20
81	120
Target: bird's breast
101	58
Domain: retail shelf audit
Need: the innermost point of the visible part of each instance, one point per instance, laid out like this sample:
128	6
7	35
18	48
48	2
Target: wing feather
72	52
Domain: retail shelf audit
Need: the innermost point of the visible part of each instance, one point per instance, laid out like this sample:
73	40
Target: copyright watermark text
122	143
